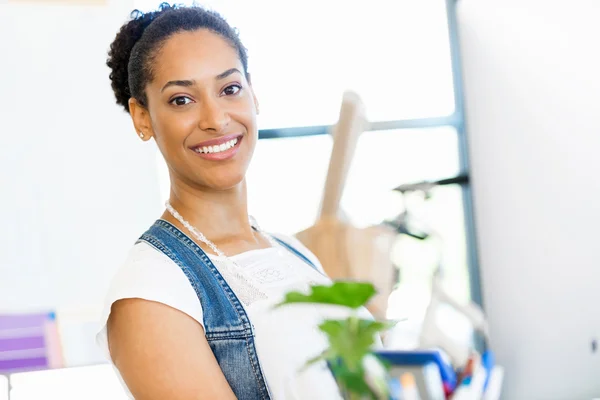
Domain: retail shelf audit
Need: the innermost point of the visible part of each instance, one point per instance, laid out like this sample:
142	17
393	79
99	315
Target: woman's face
202	110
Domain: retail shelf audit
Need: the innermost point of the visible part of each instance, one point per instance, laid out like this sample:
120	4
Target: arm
162	353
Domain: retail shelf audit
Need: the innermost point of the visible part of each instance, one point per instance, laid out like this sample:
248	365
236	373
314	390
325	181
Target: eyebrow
184	83
191	82
227	73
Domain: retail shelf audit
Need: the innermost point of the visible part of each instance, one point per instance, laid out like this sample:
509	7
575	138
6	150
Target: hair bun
120	52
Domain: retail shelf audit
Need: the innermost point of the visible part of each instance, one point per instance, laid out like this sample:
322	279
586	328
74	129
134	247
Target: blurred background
504	96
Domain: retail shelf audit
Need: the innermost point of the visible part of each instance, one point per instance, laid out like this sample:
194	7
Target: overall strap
228	329
297	253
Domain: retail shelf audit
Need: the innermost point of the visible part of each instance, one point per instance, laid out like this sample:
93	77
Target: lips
216	142
219	149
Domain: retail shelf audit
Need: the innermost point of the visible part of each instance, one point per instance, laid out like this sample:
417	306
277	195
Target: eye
181	101
231	90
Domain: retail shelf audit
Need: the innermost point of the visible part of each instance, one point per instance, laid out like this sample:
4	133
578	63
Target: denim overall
228	330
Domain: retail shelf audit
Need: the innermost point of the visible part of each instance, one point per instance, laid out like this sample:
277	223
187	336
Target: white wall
76	185
532	78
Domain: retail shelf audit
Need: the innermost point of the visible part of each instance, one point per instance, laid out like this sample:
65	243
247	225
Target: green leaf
333	327
348	294
351	381
323	356
351	339
343	342
369	328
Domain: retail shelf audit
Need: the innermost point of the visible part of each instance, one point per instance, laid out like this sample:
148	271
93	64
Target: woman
190	313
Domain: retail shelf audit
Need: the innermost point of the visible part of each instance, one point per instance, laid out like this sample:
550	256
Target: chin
225	182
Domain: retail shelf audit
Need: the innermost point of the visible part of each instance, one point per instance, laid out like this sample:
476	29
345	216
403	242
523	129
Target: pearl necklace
245	290
198	235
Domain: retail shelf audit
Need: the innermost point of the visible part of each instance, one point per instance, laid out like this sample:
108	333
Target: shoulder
148	270
150	335
149	274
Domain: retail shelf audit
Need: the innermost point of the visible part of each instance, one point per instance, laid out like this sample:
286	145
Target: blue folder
421	357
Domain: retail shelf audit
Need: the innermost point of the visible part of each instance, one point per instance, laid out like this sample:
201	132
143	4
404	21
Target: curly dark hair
139	40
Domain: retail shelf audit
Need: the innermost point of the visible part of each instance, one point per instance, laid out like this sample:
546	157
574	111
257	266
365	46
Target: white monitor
532	94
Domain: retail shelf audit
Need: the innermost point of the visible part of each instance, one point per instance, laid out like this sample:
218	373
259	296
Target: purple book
29	342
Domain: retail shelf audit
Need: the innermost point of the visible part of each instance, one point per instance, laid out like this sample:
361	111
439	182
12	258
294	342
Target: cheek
249	119
171	130
175	124
252	128
169	143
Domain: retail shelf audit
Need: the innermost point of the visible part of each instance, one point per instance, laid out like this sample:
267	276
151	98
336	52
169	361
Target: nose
213	116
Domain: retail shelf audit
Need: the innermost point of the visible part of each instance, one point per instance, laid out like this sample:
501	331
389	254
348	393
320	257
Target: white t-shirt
286	337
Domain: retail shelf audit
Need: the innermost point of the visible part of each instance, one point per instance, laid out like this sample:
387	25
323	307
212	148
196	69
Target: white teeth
217	148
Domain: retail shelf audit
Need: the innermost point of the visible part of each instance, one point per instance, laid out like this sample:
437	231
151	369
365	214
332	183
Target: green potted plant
359	373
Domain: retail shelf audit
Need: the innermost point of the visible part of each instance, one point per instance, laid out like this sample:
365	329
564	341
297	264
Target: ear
141	119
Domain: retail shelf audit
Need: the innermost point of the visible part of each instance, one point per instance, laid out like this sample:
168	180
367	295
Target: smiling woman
190	313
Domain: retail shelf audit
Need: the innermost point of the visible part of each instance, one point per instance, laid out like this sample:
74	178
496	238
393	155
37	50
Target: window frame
455	120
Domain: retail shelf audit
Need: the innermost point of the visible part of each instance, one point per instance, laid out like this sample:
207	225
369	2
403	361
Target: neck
222	216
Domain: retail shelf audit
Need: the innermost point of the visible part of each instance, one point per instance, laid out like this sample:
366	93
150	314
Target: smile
218	149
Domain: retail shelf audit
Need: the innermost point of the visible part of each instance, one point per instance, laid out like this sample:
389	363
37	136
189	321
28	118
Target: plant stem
354	323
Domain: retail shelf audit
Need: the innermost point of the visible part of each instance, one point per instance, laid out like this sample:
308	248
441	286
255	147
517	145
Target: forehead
198	55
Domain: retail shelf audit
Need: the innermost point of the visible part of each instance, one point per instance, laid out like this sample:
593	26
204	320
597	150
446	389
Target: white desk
97	382
3	388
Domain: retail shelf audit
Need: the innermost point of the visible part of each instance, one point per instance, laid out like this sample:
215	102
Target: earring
141	135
